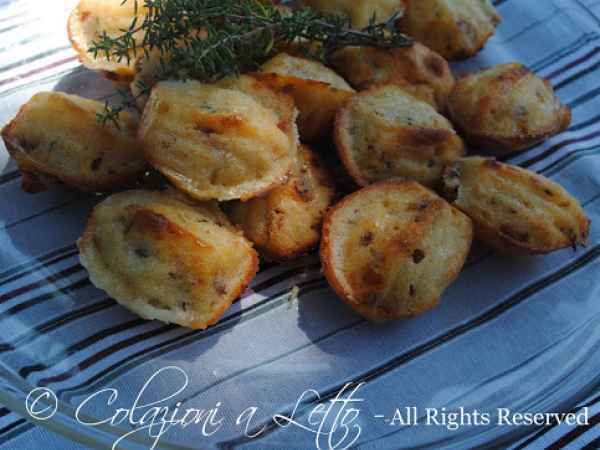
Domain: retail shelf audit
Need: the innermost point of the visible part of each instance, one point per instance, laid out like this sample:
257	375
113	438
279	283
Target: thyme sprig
111	113
211	39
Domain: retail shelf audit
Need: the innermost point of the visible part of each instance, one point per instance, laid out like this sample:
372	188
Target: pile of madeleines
243	181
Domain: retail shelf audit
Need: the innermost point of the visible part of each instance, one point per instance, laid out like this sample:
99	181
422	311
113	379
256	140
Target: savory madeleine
165	258
280	103
507	108
359	13
56	137
515	210
287	221
90	19
214	143
317	90
456	29
385	133
419	70
391	249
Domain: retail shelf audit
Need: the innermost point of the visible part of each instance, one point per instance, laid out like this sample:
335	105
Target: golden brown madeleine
359	13
280	103
287	221
317	90
456	29
214	143
93	17
391	249
419	70
507	108
165	258
385	133
56	137
515	210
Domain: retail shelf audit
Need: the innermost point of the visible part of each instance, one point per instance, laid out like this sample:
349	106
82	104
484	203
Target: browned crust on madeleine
317	102
374	312
150	222
417	69
38	177
452	30
86	241
343	150
217	124
447	144
506	108
119	73
504	145
286	223
541	218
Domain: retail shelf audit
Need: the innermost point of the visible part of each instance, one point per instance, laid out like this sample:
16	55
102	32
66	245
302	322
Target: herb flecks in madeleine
390	250
317	90
515	210
386	133
215	143
56	137
419	70
164	258
507	108
287	221
456	29
90	20
358	13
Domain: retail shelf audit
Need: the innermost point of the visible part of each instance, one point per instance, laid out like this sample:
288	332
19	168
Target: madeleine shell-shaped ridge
513	209
287	221
57	137
417	69
456	29
165	258
385	133
507	108
90	19
215	143
390	250
317	90
359	13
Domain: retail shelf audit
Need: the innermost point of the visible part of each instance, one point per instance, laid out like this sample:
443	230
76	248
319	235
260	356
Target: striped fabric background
521	331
